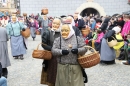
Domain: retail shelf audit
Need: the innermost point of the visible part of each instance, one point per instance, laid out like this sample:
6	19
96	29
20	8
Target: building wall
67	7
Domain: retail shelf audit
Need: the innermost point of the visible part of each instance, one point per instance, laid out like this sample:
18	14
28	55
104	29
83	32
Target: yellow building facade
7	6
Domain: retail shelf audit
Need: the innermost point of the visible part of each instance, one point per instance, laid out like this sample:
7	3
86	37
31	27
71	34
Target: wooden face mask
65	30
14	18
56	24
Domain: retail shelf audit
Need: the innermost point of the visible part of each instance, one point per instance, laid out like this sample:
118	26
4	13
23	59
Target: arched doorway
89	11
91	6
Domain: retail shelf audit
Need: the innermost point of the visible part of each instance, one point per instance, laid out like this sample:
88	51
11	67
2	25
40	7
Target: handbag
41	54
112	43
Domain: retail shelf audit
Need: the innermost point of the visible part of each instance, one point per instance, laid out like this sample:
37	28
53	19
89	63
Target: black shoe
4	72
16	57
85	80
21	57
126	63
33	39
121	58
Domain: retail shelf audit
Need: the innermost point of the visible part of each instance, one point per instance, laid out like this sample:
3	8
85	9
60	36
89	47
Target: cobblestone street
27	72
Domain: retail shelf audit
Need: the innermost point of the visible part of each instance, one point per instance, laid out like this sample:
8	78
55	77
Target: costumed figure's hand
74	51
23	29
65	52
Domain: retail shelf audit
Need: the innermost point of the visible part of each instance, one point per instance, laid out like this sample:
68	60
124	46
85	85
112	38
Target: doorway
89	11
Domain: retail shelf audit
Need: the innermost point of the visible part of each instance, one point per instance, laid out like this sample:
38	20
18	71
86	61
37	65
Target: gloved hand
65	52
23	29
74	51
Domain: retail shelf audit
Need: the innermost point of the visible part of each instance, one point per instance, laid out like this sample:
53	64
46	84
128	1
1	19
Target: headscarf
79	17
71	32
73	23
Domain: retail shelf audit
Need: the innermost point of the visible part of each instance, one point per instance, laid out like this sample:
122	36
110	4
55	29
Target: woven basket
89	60
38	32
24	14
26	33
45	11
112	42
42	54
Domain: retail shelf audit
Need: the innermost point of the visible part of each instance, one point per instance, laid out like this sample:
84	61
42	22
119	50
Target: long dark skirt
52	70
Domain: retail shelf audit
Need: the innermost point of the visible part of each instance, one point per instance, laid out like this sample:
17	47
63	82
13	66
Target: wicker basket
26	33
41	54
45	11
112	42
38	32
24	14
89	60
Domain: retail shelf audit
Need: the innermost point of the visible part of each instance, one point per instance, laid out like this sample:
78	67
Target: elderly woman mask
67	31
56	24
14	18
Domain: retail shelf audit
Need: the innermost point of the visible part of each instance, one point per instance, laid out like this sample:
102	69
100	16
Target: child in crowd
97	43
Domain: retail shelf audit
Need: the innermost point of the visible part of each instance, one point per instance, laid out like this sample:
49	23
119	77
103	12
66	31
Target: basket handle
112	37
90	48
40	44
